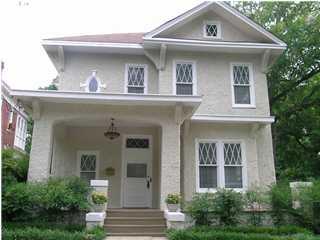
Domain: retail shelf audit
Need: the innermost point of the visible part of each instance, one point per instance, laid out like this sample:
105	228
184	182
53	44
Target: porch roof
27	97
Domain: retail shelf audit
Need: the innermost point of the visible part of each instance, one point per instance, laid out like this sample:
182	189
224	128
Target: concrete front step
134	213
135	220
135	228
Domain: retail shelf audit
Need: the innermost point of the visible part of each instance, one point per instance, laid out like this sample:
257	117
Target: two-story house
189	103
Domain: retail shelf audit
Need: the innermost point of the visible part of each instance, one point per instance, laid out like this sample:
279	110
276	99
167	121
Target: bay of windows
220	165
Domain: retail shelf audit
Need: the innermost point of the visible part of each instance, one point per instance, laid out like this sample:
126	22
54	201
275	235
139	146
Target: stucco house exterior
189	99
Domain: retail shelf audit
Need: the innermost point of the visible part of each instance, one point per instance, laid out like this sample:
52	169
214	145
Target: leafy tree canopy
294	84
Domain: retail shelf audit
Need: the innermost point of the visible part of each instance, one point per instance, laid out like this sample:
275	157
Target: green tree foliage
294	84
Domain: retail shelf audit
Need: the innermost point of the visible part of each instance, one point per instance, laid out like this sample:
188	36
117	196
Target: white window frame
145	80
20	132
88	152
217	23
251	86
220	164
10	118
194	75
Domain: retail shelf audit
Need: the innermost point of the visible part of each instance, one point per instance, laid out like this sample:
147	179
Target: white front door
137	171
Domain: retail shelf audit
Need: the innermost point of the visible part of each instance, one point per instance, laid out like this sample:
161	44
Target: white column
170	161
40	155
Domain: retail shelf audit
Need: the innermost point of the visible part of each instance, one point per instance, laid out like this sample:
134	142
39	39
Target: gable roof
134	38
184	17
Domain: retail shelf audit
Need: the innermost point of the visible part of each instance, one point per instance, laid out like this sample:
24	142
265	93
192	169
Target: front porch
130	163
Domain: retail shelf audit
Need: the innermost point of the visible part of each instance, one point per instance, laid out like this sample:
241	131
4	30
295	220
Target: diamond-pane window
184	78
136	78
232	154
241	75
88	163
242	87
137	143
211	30
207	153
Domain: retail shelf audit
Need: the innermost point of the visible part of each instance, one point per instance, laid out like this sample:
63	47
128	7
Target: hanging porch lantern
112	131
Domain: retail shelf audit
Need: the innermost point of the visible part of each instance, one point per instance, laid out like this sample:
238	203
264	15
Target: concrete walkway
136	238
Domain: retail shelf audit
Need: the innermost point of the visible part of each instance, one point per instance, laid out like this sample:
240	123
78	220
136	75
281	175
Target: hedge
189	235
33	233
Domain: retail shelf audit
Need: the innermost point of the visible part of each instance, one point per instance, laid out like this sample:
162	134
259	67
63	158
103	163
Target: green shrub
228	206
255	199
99	198
33	233
44	225
240	233
57	196
173	198
14	166
200	208
281	202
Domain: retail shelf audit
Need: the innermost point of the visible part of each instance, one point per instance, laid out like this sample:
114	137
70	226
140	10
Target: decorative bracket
61	58
265	60
163	53
36	109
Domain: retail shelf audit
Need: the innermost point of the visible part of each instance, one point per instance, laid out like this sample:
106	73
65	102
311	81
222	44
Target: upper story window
10	118
93	83
136	78
20	132
220	165
184	78
242	85
212	29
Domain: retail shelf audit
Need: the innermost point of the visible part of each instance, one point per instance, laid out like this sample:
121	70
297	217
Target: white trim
194	76
203	6
106	98
232	118
123	165
220	163
90	44
215	44
93	152
145	80
251	86
204	27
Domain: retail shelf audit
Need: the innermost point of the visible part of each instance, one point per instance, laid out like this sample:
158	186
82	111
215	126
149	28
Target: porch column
170	161
40	155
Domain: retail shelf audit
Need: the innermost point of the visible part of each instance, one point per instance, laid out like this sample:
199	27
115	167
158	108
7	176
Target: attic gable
235	27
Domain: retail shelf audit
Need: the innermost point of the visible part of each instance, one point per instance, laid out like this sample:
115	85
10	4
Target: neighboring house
189	99
13	122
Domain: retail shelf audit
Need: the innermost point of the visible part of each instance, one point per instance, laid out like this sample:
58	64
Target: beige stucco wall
110	154
214	82
258	152
229	32
110	70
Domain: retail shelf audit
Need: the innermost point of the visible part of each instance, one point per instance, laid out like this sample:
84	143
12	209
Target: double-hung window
242	85
136	78
220	164
185	78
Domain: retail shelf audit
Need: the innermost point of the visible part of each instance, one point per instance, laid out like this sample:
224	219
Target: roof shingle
135	38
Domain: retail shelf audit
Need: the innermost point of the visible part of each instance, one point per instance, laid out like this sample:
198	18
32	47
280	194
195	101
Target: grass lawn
242	233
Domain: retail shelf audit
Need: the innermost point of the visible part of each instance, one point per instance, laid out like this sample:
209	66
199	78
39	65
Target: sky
24	23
